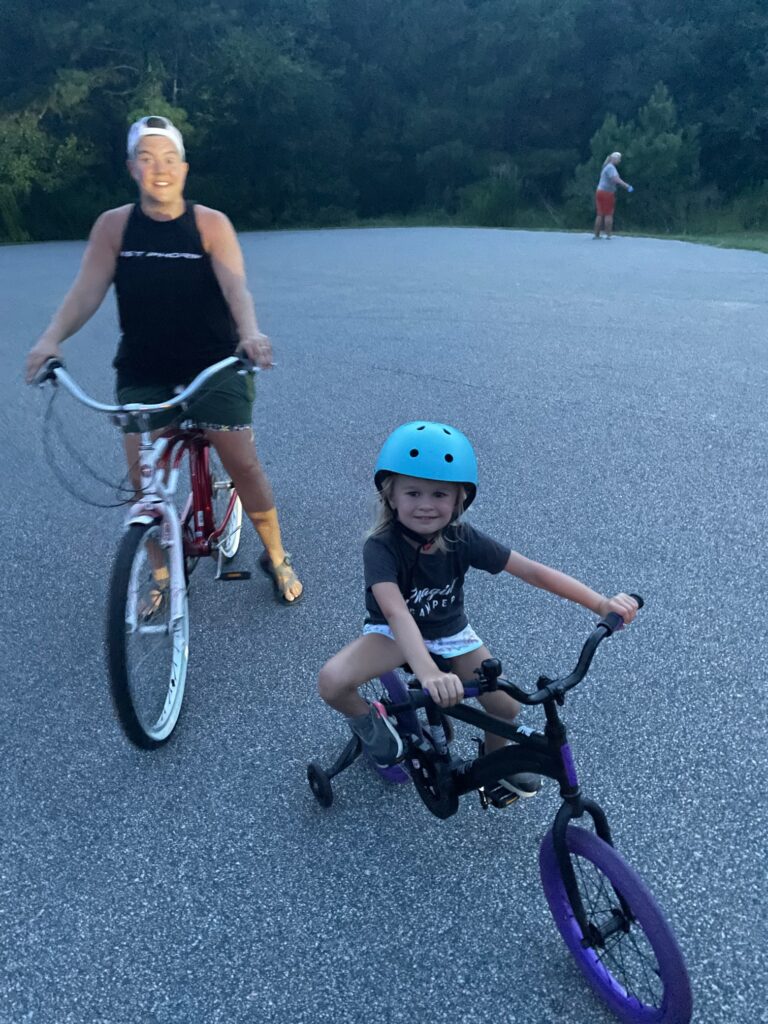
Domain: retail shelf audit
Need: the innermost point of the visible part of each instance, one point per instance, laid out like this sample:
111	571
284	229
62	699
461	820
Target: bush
495	201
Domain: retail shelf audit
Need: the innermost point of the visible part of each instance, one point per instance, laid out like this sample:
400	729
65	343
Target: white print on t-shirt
422	601
164	255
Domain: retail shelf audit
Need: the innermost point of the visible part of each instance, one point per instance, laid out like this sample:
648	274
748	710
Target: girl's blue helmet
432	451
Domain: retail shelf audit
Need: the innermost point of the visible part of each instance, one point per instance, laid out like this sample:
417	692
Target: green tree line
318	112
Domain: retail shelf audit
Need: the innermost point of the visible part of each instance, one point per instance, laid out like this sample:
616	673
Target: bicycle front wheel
222	491
633	962
147	649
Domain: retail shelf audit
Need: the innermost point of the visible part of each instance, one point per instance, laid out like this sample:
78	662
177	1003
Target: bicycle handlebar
53	370
552	688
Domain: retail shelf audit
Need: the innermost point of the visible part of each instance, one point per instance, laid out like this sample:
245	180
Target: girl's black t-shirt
174	318
431	584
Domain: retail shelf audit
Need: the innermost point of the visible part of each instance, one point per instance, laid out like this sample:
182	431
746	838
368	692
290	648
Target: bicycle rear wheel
147	652
222	490
633	963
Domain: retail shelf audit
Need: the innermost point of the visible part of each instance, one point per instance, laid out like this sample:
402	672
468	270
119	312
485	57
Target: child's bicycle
148	613
609	920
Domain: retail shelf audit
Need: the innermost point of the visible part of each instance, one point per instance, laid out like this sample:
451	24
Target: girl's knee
328	683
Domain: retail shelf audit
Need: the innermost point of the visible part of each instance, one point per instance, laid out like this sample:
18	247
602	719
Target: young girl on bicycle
415	560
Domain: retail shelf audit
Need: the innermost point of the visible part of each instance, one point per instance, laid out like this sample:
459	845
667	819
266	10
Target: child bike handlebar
489	677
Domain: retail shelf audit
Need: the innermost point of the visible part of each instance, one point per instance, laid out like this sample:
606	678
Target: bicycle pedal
234	574
501	797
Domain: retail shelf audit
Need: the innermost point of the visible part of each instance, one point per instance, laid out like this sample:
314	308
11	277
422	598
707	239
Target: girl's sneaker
380	738
524	784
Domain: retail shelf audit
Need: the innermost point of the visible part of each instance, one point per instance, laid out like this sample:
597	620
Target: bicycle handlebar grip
246	363
612	622
45	373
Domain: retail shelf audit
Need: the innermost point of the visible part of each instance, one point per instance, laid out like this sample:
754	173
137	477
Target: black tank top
173	316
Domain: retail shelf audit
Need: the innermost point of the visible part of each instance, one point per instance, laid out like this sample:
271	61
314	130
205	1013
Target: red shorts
605	203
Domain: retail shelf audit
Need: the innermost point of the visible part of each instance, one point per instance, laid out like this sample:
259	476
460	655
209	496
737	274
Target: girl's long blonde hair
385	514
610	157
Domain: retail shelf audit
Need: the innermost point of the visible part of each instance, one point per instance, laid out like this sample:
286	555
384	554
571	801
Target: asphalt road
616	396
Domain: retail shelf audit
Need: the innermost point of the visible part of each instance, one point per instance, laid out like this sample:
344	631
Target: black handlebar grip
245	362
612	621
45	373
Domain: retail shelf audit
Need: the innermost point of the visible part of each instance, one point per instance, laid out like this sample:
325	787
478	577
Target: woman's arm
443	687
220	242
97	271
559	583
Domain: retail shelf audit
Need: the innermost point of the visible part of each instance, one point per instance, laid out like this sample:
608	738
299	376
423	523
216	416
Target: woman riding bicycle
184	304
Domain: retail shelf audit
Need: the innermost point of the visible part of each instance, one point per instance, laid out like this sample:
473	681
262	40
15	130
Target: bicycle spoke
148	649
622	954
222	491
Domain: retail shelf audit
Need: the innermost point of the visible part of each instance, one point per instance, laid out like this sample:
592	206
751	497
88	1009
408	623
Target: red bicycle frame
199	529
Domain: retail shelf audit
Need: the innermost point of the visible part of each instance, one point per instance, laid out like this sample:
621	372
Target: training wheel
320	784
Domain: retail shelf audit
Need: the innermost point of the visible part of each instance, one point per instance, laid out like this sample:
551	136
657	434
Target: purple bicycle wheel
639	971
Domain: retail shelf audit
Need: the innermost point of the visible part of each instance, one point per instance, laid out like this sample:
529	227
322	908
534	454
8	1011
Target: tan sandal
282	576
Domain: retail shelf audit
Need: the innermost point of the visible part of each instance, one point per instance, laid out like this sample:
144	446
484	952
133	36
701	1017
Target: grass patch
755	240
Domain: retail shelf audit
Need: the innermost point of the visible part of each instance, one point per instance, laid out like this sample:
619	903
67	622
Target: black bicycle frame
545	754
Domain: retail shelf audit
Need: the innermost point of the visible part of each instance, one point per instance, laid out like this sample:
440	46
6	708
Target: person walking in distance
605	194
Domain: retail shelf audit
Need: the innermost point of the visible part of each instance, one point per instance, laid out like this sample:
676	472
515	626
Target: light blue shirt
608	177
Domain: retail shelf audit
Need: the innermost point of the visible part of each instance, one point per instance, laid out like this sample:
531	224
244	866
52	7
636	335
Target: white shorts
446	646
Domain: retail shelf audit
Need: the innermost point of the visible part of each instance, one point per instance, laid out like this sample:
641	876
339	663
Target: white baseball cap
153	125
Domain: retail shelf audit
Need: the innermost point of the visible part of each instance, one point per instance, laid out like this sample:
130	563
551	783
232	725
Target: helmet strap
423	543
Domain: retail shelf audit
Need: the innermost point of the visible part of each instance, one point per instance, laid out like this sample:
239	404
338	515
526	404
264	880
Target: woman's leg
598	225
608	225
238	455
498	704
365	658
160	572
131	444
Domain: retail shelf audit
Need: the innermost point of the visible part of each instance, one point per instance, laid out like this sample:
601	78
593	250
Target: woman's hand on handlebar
38	354
623	604
258	349
443	687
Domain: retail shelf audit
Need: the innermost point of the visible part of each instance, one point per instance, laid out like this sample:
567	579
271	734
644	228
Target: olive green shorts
224	403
